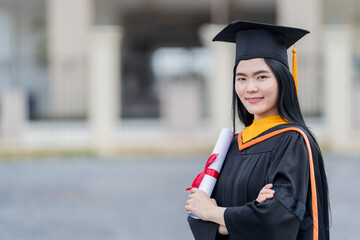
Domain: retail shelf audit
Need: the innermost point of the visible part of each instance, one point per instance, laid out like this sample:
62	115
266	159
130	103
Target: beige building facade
130	76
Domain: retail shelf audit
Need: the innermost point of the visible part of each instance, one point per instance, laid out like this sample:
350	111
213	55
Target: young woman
275	150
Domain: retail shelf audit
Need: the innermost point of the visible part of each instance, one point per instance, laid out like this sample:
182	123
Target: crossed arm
207	210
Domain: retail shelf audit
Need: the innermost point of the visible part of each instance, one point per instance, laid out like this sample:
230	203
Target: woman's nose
252	86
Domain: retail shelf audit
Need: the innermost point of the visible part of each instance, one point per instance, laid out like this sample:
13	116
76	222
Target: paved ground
132	198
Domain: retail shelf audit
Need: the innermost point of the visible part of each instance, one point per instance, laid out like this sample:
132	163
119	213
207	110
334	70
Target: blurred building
143	75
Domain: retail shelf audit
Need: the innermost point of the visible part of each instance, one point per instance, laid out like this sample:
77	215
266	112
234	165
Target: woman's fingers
263	198
267	196
267	189
268	186
197	191
265	193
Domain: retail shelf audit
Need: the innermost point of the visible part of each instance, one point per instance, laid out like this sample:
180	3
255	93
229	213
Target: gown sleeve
203	230
278	218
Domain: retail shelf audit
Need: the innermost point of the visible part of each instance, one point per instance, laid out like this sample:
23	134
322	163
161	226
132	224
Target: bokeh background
109	108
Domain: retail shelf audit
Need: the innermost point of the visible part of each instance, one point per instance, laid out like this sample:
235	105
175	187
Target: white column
181	105
104	86
338	74
12	116
7	49
305	14
220	76
69	25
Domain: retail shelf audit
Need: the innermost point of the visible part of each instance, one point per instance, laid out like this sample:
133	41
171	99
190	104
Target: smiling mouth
254	100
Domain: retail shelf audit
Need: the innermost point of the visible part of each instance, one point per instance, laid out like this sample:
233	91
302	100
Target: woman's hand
206	209
265	193
200	204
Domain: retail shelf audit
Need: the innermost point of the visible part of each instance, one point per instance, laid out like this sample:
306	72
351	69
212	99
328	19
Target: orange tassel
294	69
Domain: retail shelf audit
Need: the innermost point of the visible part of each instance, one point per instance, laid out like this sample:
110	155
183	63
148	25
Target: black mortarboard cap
259	40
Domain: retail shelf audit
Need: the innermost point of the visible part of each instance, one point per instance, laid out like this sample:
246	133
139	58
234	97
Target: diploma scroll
220	150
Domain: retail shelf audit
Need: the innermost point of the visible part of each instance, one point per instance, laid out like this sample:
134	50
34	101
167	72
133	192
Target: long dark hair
287	104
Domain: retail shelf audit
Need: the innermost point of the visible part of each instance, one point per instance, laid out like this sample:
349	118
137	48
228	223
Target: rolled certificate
213	166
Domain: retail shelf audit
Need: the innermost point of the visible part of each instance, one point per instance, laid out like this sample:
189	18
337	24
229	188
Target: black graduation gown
282	160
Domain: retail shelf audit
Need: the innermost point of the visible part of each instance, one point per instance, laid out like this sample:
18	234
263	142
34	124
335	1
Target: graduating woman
275	150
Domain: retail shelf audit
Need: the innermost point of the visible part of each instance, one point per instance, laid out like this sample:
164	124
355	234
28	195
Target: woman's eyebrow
240	74
255	73
261	71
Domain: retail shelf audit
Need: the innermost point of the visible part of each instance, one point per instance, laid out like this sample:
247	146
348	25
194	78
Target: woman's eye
262	77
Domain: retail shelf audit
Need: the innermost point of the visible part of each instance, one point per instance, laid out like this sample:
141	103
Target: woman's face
257	87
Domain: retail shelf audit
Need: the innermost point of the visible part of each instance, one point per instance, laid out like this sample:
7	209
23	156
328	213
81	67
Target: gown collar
259	126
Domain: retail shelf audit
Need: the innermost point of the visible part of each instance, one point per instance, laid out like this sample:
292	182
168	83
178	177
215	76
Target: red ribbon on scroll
208	171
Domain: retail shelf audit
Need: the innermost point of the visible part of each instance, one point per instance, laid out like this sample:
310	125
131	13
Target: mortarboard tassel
294	69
